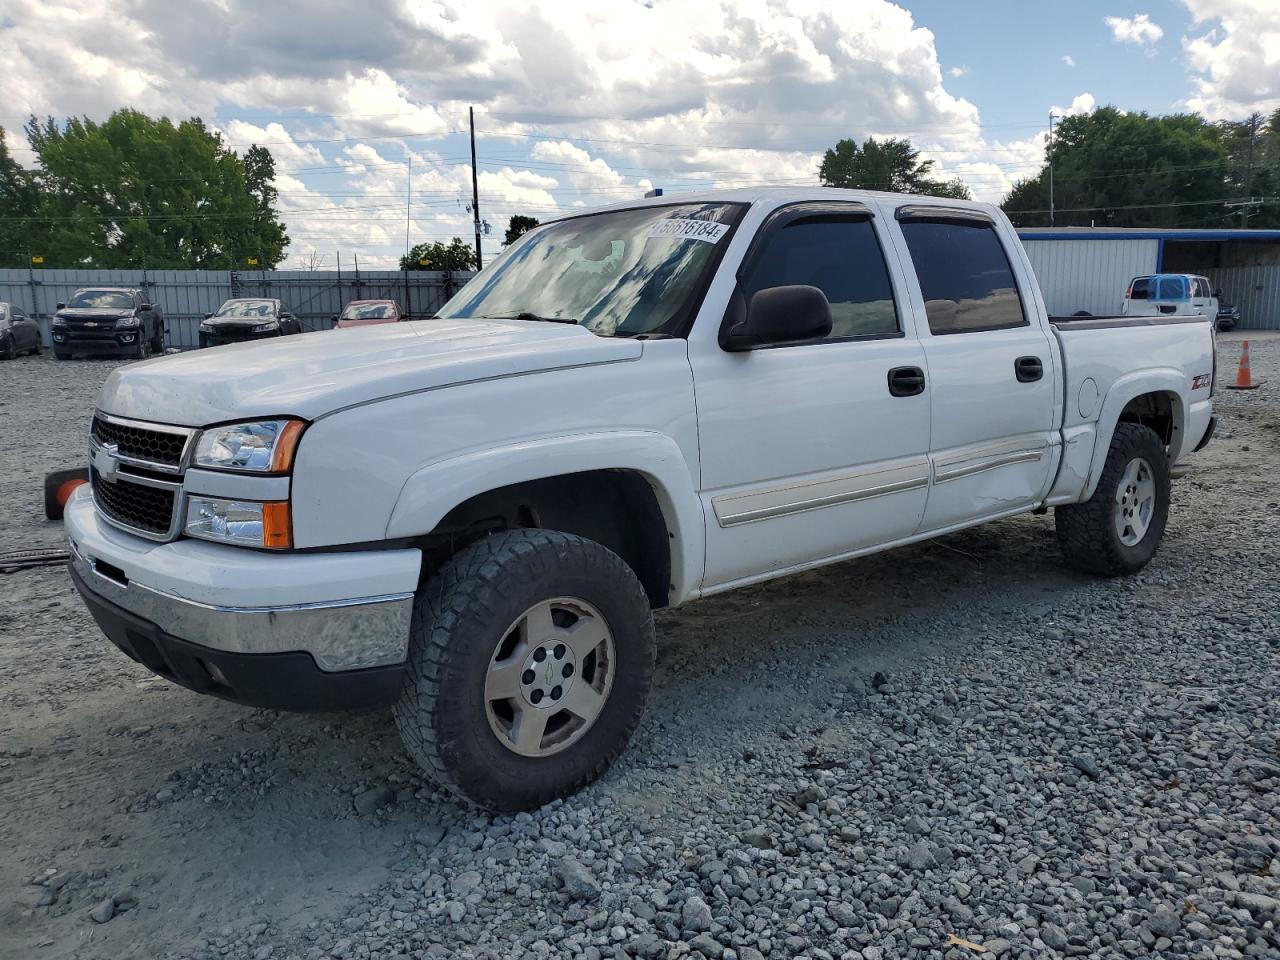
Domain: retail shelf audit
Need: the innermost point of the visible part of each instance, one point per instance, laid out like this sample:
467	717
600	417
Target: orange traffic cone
58	488
1244	375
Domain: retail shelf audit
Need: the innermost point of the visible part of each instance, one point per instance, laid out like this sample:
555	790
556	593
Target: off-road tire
61	354
8	348
38	348
1087	532
157	342
459	618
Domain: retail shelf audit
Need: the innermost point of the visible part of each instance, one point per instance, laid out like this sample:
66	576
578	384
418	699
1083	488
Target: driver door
808	450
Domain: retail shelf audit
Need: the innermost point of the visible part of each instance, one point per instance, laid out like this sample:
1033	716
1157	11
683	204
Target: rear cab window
965	275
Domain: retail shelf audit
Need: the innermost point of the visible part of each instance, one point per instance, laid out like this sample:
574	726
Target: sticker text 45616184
684	228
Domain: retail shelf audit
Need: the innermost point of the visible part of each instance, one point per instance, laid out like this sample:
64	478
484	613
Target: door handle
906	381
1028	369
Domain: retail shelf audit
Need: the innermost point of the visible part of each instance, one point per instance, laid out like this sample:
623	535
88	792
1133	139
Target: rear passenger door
991	370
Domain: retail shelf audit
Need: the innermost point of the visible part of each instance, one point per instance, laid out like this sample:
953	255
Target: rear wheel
157	341
1119	528
530	659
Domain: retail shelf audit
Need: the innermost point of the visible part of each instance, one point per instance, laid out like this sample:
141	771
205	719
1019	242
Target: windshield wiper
526	315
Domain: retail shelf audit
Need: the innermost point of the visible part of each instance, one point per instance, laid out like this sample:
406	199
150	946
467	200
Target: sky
585	102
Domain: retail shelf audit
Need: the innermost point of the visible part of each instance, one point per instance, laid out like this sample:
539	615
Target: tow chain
14	560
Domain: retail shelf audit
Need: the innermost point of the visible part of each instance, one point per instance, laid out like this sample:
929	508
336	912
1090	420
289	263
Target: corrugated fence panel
1255	290
1088	275
185	297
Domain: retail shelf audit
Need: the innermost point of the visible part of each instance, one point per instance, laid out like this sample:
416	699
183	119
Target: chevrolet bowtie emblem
105	462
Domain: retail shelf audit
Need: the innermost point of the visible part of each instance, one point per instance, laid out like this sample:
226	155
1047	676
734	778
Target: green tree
21	235
456	255
1253	158
138	191
893	165
1128	170
517	227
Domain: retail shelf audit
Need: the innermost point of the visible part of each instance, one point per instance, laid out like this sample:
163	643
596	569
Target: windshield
619	274
368	311
247	308
102	300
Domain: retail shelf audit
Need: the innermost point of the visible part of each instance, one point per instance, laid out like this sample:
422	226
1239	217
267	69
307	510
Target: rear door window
965	276
1171	288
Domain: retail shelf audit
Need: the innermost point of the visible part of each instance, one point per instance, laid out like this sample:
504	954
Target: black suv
247	318
119	321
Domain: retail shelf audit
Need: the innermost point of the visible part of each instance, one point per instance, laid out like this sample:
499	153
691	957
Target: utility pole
1254	121
408	197
1051	119
475	187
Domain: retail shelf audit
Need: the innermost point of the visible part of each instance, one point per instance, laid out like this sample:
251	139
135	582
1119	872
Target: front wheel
7	348
37	348
1118	529
530	659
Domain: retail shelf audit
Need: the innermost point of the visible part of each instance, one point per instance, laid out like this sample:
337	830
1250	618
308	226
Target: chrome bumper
340	635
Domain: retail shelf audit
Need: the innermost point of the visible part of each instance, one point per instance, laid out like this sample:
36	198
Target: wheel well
1154	410
615	508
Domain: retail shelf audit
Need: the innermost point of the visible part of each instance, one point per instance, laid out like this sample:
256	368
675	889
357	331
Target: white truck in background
471	517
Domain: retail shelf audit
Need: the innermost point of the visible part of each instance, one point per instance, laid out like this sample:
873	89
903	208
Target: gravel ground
966	749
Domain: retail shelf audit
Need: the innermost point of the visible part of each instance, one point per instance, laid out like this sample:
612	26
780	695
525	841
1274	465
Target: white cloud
1236	62
1137	29
1069	60
576	102
1081	103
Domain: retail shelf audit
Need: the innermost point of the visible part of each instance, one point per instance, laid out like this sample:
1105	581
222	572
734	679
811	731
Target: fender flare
1124	389
437	488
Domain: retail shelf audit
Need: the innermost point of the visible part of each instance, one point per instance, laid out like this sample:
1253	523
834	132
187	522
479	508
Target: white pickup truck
471	517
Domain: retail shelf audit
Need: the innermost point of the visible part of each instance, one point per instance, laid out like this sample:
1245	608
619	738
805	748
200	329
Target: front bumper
222	338
277	681
322	619
96	341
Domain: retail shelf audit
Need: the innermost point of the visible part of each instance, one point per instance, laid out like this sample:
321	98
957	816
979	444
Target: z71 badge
1201	381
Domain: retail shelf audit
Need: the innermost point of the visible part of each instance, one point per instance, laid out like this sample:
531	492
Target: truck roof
778	195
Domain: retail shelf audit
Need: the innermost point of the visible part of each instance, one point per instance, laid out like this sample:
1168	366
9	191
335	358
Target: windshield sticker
683	228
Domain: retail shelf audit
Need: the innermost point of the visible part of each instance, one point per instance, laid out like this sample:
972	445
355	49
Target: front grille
140	443
133	504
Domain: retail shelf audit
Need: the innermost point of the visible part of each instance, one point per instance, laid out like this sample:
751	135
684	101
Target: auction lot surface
959	741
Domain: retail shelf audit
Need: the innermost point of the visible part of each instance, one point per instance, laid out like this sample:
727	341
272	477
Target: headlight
206	327
127	323
240	522
59	321
266	327
262	447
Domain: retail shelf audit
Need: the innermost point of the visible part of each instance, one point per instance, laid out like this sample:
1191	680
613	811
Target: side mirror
1217	293
145	306
208	316
782	315
60	306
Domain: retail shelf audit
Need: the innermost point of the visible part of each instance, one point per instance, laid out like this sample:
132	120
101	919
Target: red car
363	313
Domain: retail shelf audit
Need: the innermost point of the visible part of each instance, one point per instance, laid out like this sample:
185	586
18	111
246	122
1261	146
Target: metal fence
187	296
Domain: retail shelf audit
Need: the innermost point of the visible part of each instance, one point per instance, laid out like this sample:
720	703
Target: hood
319	373
91	313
